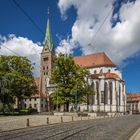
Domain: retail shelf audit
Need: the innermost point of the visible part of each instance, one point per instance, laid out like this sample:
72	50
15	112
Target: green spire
48	39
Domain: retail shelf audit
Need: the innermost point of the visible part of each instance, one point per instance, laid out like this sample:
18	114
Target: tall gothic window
110	91
119	95
93	96
102	96
97	90
123	87
105	93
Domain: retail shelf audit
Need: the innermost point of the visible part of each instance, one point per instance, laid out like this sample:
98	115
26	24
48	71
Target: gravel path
120	128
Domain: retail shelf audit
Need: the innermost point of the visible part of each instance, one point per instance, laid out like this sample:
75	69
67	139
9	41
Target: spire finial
48	11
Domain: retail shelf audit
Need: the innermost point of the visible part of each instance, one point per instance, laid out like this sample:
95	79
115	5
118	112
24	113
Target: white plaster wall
38	103
115	92
139	106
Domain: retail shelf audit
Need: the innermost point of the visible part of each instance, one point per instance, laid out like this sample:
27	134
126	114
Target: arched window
119	95
111	91
105	93
93	96
109	71
95	72
102	97
97	91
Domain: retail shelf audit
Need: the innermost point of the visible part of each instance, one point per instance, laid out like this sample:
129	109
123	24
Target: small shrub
32	110
24	112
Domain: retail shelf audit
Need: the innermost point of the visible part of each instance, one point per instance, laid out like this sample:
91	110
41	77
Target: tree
16	79
71	80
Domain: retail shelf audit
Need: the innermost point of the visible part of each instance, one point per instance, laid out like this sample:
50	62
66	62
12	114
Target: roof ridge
90	54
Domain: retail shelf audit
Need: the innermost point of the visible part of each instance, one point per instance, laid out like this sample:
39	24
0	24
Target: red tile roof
106	76
133	97
94	60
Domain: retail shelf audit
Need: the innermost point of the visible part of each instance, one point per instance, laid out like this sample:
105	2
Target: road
120	128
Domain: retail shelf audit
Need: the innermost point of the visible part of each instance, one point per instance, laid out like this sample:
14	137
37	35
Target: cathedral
106	80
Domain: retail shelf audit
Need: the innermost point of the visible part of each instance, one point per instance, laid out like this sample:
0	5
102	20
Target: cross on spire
48	11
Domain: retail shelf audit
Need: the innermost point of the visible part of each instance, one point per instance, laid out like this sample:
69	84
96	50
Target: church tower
47	59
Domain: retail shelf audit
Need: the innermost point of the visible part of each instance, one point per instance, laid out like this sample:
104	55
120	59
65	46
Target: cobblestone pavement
120	128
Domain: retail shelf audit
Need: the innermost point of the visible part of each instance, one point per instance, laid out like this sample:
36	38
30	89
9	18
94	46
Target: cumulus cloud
22	46
66	46
119	42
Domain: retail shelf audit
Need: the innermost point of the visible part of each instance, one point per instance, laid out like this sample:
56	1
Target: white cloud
66	46
22	46
120	42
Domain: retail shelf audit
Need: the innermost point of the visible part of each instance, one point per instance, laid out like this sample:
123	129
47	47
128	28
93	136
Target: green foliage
16	79
71	80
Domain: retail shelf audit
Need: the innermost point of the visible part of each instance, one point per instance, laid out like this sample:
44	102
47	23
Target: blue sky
65	18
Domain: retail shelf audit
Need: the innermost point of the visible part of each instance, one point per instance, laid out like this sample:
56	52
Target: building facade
104	77
133	103
107	83
37	101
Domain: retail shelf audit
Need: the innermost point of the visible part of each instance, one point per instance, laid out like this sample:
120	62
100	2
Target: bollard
72	118
61	119
27	123
81	117
47	121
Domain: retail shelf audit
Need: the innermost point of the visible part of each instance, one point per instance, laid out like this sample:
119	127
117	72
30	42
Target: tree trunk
66	107
3	111
17	103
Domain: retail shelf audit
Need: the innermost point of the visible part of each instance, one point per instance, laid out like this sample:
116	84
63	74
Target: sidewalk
17	122
136	135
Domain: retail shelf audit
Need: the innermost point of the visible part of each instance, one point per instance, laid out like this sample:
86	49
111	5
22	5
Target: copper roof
106	76
94	60
133	97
